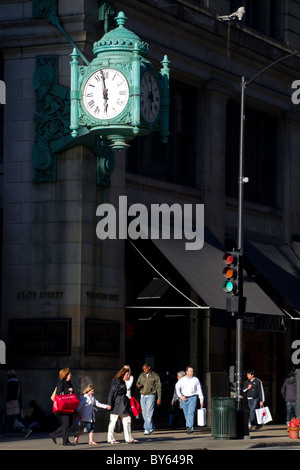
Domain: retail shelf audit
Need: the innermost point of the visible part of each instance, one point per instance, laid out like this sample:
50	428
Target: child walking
86	406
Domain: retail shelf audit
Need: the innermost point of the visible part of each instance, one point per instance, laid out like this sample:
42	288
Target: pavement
162	441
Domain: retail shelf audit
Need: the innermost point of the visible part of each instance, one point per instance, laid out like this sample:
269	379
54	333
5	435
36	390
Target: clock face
150	97
105	93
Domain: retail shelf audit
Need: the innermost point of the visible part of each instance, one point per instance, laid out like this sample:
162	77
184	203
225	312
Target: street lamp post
241	308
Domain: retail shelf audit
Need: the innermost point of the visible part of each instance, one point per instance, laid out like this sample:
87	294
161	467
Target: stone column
214	136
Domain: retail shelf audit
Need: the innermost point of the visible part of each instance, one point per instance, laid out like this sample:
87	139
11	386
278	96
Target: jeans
89	427
290	406
147	404
253	404
189	407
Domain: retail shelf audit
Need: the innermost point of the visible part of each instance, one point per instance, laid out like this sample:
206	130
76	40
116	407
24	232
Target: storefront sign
39	337
102	337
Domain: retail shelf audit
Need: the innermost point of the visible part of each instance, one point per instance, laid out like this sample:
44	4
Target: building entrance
154	333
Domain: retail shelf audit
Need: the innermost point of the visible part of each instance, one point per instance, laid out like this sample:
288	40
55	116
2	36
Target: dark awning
280	266
202	269
154	290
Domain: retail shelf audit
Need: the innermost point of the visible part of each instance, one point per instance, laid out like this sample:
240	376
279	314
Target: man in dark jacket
254	390
289	393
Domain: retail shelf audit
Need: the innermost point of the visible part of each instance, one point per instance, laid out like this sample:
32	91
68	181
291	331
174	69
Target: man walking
149	385
289	393
254	390
188	388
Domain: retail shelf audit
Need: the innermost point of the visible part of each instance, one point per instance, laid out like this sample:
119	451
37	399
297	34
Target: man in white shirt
188	388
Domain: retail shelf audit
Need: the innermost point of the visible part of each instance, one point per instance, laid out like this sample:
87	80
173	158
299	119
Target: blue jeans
253	404
147	404
89	427
189	407
290	406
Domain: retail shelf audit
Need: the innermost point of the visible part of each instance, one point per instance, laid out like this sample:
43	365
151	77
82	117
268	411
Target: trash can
223	424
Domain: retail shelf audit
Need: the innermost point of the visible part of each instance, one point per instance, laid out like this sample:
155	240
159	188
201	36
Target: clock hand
105	93
150	94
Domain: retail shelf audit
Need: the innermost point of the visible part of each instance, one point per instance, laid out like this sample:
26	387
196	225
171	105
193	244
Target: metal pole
240	247
241	171
239	317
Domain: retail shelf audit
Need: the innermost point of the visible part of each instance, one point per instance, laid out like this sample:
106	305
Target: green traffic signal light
229	287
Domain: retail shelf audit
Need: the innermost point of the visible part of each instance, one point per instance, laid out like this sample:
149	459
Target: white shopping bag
263	415
201	417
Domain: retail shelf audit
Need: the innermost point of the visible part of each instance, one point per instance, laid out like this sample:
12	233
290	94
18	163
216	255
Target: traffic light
235	303
230	272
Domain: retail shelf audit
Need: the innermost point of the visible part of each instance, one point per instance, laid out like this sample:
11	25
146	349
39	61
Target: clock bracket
52	129
52	134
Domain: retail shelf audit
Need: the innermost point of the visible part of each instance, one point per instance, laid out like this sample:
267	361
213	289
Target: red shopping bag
65	403
135	407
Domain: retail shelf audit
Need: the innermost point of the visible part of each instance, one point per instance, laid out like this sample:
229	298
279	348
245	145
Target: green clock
150	97
105	93
119	95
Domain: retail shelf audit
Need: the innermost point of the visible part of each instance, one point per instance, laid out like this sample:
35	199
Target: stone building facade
69	299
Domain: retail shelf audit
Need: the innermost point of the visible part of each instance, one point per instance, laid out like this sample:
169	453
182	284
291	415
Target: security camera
237	15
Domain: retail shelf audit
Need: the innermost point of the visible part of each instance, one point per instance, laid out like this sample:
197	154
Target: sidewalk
163	440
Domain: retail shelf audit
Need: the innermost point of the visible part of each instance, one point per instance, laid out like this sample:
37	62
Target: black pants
63	429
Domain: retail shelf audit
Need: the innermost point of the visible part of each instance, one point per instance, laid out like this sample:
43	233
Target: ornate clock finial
121	19
120	39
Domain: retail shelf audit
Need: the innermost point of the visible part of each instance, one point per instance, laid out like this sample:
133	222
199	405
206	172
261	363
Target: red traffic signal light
230	272
231	258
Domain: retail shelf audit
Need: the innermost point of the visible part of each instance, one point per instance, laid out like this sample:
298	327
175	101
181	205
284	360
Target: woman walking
120	406
64	387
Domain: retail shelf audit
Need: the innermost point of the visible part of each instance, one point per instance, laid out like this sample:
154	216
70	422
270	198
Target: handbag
135	407
201	417
65	404
263	415
53	394
12	408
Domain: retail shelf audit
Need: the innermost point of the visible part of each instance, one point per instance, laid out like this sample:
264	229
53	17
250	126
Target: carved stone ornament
44	9
51	118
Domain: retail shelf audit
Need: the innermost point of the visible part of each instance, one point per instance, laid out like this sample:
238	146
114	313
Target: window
175	161
260	155
1	110
265	16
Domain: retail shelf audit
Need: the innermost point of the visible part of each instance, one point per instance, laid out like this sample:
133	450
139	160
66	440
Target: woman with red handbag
120	406
64	387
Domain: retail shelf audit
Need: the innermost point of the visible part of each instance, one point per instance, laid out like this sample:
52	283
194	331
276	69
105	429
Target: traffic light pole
240	248
241	309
